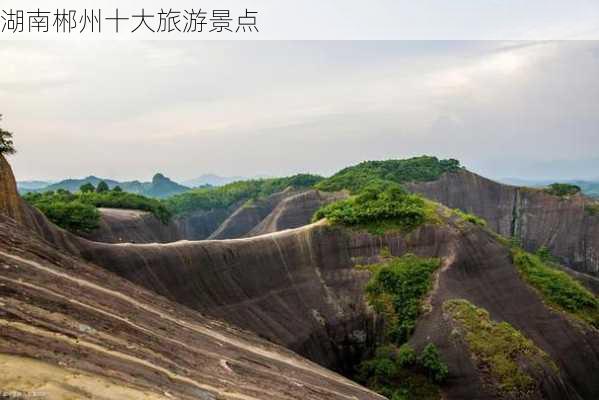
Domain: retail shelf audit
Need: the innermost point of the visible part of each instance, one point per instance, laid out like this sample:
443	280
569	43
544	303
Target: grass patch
500	349
557	288
380	208
469	217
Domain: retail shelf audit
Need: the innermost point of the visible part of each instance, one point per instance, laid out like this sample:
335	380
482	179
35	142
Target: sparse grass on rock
468	217
592	208
557	288
499	349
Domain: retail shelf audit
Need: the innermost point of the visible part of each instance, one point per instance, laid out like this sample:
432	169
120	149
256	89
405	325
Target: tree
87	188
6	144
117	189
102	187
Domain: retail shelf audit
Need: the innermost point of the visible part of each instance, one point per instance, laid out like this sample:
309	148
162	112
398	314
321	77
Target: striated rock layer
69	329
299	288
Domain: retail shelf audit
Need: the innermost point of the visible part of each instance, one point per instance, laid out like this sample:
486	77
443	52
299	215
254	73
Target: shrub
74	216
406	356
57	205
102	187
402	374
358	177
380	207
431	361
397	289
562	189
86	188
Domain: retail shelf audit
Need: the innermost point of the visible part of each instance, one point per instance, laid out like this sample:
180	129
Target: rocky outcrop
533	216
69	329
10	203
289	208
295	211
250	214
299	288
132	226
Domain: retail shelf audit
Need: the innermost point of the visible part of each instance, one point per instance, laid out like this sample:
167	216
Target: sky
129	109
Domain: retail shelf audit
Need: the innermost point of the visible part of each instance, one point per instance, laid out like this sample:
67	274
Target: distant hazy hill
160	186
212	180
32	185
590	188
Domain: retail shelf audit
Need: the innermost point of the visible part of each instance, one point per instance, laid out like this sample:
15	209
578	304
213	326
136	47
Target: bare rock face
534	217
299	288
289	208
295	211
199	225
132	226
72	330
250	214
10	203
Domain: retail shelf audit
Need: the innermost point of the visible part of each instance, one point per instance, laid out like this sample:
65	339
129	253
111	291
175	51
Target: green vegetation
400	374
78	212
499	349
470	217
562	189
72	215
227	195
102	187
431	361
592	209
86	188
358	177
6	143
380	207
397	290
557	288
545	254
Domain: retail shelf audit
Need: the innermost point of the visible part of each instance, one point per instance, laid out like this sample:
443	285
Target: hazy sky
129	109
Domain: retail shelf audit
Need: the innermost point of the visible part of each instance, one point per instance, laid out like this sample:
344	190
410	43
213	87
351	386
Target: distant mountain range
159	187
212	180
590	188
25	186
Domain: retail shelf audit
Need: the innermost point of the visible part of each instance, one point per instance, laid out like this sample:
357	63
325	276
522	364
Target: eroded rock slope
70	329
299	288
565	225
